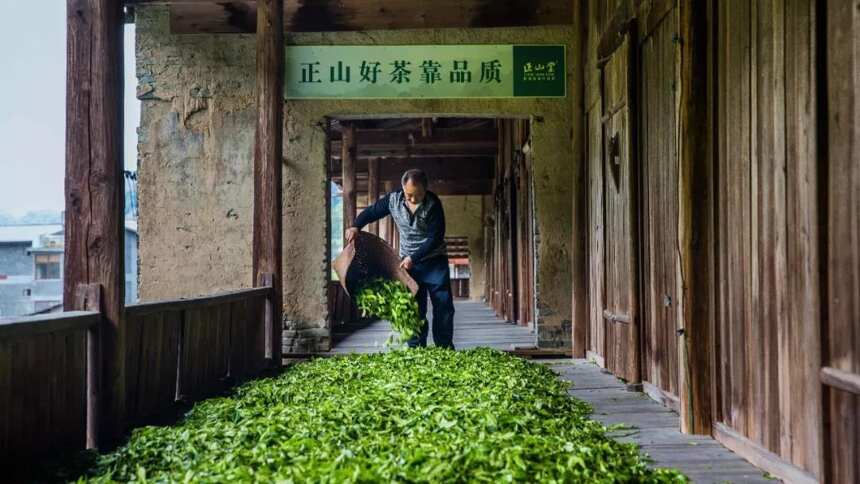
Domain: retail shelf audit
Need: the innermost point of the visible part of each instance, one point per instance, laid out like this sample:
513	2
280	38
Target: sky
33	105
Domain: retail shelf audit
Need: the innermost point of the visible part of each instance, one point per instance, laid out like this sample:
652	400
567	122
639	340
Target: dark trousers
434	280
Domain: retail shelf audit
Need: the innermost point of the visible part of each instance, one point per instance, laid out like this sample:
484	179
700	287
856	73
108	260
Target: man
420	221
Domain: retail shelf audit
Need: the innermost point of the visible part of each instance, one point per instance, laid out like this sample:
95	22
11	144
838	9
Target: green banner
424	71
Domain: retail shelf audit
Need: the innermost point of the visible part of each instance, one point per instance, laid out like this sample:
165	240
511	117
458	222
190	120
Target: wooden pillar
94	185
268	159
348	175
373	189
695	221
579	190
387	226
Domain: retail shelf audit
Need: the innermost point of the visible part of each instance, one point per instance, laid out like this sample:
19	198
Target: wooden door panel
621	301
597	339
841	372
658	153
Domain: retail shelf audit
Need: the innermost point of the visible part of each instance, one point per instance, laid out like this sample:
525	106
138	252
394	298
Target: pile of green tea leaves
422	415
392	301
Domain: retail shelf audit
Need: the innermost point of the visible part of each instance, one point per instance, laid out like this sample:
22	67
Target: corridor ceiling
239	16
458	154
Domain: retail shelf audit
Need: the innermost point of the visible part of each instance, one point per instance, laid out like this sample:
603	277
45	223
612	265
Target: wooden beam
88	297
404	143
445	187
182	304
438	137
94	233
347	149
579	192
386	225
416	153
426	127
760	456
841	379
217	16
695	222
66	321
613	37
233	17
392	169
268	161
373	189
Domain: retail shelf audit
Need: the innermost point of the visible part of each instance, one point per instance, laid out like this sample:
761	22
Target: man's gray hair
415	176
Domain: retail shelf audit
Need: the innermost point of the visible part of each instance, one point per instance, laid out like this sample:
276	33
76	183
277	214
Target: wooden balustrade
43	384
188	349
184	349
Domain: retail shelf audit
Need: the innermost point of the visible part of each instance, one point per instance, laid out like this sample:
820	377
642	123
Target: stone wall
196	155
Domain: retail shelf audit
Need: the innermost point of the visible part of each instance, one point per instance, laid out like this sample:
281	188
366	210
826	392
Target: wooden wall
509	241
658	153
768	295
841	372
597	15
782	112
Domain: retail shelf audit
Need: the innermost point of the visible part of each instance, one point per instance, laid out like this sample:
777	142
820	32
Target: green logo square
539	71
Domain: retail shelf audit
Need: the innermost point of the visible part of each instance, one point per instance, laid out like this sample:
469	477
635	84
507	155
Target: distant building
31	268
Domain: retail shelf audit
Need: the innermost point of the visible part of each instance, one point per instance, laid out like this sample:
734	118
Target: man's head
414	186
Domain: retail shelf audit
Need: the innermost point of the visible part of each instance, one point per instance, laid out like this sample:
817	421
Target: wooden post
348	175
94	232
266	279
88	298
386	227
268	159
373	189
695	219
579	190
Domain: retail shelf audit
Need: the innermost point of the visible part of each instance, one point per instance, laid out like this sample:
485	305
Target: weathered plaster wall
196	139
464	218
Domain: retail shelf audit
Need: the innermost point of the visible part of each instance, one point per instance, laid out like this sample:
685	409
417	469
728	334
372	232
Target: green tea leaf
424	415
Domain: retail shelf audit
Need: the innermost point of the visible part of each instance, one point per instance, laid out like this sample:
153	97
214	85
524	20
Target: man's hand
407	263
350	234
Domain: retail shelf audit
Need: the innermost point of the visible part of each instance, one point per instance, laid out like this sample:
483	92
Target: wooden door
596	279
620	311
659	160
841	371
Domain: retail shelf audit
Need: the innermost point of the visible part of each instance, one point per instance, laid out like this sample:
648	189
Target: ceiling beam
439	137
419	153
445	187
214	16
406	143
391	169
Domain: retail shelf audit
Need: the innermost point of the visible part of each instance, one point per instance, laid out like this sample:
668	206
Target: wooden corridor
474	325
655	428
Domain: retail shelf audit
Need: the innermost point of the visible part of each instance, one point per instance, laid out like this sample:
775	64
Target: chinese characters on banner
434	71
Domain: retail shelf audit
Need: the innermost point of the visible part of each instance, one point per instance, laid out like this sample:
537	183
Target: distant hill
34	217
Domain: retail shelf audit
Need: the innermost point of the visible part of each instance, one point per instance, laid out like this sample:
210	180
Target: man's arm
373	213
435	230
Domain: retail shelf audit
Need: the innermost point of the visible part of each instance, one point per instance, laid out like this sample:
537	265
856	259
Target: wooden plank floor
655	428
474	325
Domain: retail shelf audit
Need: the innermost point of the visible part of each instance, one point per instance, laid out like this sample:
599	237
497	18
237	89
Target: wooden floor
474	325
653	427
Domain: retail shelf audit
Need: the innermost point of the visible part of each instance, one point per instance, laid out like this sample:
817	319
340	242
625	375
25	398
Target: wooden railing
179	350
188	349
44	373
